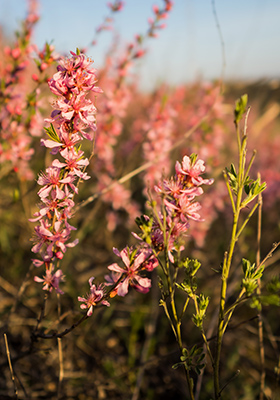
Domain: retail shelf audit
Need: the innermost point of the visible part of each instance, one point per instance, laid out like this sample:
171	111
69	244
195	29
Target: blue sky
190	46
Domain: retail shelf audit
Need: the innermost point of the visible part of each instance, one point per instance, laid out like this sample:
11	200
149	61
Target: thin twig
61	369
229	381
269	255
10	365
61	334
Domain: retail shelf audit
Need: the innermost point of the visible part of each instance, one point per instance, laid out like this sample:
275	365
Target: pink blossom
73	113
74	162
175	188
51	181
93	298
42	235
134	263
51	281
74	75
192	171
49	206
184	209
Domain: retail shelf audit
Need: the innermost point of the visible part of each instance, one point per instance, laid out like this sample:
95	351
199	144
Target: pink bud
139	53
155	9
16	53
43	66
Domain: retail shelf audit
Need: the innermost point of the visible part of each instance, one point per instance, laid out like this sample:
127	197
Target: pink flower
74	162
192	170
51	281
43	235
185	209
93	298
78	109
50	206
175	188
134	263
52	240
51	181
74	76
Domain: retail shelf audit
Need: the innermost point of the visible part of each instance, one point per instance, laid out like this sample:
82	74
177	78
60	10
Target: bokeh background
173	96
190	47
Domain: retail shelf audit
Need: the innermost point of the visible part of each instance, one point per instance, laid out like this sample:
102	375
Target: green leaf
193	158
252	190
51	132
232	175
16	195
192	351
175	366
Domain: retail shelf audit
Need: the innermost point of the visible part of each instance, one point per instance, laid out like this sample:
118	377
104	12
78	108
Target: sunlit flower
51	281
134	263
93	298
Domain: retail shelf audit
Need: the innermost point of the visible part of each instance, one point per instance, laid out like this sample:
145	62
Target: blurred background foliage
127	351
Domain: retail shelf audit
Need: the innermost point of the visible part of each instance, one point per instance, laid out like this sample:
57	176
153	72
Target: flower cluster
165	230
135	261
73	114
180	192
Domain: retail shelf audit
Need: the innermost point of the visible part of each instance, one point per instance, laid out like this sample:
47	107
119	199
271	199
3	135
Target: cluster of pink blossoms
178	194
135	262
164	232
73	114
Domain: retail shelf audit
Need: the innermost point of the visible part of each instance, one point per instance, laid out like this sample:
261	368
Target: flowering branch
73	114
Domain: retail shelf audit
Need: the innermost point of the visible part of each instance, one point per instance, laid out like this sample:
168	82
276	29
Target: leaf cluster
145	225
251	276
51	132
192	360
240	108
189	284
202	304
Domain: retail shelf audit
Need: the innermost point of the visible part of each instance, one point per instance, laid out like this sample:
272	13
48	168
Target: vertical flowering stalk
164	232
16	111
72	120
